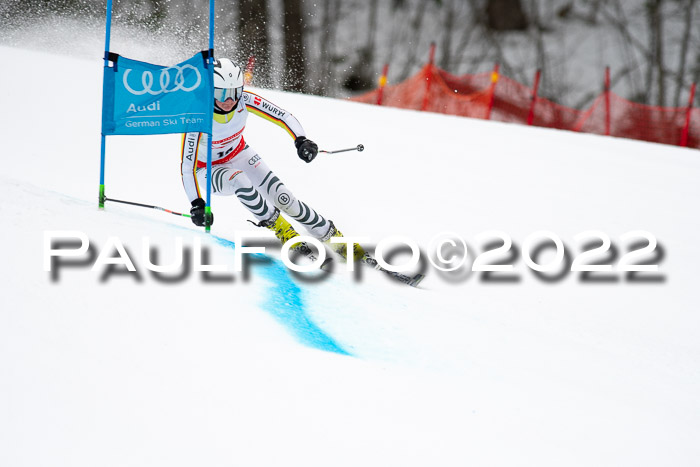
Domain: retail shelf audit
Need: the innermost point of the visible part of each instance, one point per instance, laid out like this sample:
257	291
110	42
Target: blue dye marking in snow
285	303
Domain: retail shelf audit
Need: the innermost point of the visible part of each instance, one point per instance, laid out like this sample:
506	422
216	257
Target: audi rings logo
178	83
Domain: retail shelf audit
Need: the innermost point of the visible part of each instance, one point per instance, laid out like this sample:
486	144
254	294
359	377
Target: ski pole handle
358	148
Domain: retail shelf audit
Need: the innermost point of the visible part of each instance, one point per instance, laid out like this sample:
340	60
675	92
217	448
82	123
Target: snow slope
274	369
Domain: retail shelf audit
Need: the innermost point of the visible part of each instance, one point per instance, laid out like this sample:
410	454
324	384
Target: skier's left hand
306	149
198	213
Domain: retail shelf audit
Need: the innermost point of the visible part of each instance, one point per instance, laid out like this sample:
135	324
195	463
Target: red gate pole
531	115
494	80
382	83
686	127
607	101
429	76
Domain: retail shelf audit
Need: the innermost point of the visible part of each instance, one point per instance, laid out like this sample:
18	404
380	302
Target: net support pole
210	60
688	111
607	101
103	144
492	91
428	77
533	99
382	83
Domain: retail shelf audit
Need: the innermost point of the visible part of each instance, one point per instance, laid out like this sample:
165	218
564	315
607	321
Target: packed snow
109	367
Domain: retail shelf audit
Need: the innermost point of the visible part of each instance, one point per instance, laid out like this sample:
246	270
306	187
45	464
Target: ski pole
147	206
358	148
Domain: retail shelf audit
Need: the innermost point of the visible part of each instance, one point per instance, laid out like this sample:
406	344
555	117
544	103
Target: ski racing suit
237	169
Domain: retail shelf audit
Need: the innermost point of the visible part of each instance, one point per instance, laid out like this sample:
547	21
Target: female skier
237	169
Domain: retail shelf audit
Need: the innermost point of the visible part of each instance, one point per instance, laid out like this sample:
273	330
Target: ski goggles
222	95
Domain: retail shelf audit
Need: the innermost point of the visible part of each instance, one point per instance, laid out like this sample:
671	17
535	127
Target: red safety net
494	97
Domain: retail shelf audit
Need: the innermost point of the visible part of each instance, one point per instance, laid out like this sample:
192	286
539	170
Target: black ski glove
198	214
306	148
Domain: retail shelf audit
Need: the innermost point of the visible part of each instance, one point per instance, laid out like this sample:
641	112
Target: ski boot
358	253
284	232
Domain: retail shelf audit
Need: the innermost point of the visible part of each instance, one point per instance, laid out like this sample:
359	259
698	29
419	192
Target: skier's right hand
198	214
306	149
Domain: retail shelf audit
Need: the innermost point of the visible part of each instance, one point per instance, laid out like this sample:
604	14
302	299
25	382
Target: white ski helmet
228	80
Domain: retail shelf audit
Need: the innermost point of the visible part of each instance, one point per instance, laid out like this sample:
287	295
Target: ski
403	278
303	249
329	264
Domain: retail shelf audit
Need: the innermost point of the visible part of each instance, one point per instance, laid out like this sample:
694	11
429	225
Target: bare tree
361	77
253	39
447	33
505	15
542	61
655	67
294	53
470	28
630	48
370	46
415	34
159	13
696	74
594	8
330	16
688	6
